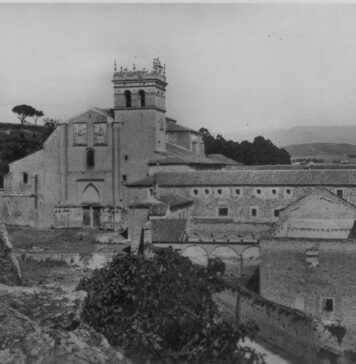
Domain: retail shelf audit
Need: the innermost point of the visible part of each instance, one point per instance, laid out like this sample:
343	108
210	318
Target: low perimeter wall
299	336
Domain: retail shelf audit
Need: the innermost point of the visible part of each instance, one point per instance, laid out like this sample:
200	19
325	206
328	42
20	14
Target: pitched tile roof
318	193
218	230
237	177
179	155
168	230
176	200
316	228
222	158
154	206
158	206
107	112
174	127
319	214
296	166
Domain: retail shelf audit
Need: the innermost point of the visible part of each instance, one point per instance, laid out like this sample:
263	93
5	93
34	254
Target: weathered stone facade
301	337
242	192
96	166
308	262
79	178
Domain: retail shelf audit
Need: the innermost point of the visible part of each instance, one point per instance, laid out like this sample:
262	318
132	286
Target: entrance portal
91	216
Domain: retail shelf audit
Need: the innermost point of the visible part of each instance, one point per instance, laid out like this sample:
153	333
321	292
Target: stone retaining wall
291	331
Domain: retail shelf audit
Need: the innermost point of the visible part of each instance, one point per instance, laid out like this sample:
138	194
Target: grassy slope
17	141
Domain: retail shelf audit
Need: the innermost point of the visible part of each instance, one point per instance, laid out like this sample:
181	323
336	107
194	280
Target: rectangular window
276	213
253	211
219	191
288	191
124	178
206	191
195	192
339	193
274	191
223	211
258	191
327	305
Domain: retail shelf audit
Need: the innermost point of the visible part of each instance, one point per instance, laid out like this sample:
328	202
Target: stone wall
241	199
32	203
139	139
111	218
304	273
181	139
78	175
136	221
292	332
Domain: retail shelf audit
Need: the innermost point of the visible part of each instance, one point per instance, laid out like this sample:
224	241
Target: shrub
161	308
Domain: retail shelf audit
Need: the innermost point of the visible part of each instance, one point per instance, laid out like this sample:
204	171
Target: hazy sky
229	67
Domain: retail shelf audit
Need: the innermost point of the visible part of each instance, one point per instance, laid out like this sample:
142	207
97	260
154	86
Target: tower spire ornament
115	66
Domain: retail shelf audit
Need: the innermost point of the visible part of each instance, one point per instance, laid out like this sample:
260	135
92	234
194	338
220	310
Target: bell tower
140	89
139	108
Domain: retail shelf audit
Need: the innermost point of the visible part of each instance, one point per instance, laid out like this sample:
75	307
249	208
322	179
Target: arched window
90	158
142	98
25	178
128	98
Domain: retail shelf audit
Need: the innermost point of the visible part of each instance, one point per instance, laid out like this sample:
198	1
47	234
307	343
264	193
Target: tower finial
134	67
115	66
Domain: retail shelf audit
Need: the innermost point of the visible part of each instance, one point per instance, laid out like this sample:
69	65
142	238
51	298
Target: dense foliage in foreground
261	151
162	308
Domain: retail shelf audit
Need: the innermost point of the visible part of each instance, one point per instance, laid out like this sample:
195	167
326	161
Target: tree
50	123
24	111
261	151
38	114
162	308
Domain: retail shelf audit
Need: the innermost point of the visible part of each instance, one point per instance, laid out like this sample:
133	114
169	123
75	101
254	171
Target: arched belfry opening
128	98
142	98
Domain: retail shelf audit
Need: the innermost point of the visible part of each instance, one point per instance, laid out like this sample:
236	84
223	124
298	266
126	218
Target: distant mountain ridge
328	152
299	135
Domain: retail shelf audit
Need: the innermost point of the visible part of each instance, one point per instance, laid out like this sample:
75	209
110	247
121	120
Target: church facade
119	168
79	178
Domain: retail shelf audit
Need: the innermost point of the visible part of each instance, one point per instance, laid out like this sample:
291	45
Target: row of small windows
236	191
128	98
273	191
218	191
224	211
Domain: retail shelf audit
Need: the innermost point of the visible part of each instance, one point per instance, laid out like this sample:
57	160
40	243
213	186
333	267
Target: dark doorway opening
86	216
96	216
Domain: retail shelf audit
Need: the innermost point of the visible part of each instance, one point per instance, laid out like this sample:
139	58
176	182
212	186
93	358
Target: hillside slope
325	151
300	135
17	141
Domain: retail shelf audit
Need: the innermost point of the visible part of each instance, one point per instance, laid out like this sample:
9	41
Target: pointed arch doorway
91	206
